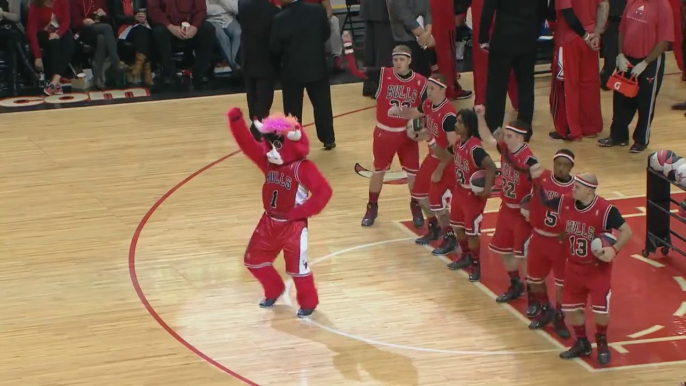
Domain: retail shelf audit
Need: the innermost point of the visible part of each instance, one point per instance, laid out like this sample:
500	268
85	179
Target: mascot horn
294	190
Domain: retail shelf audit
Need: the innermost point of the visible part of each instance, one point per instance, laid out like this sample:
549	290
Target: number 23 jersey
396	92
282	190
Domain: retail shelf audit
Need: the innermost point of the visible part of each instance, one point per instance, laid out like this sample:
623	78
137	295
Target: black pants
499	67
260	95
378	44
319	93
139	37
610	49
10	40
421	58
624	109
57	53
202	44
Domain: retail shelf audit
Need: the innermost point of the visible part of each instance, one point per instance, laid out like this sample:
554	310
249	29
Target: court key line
132	261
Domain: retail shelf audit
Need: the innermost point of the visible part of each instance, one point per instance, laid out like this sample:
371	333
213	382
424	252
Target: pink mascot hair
279	124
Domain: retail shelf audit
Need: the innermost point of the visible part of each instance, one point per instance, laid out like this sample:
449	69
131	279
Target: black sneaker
604	356
555	136
560	326
637	148
447	246
269	303
432	234
303	312
515	291
464	262
370	215
609	142
475	274
581	348
546	316
417	215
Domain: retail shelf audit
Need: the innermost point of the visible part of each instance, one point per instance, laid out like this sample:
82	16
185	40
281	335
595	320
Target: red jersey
514	168
541	216
585	10
644	24
584	225
438	120
282	190
468	158
397	92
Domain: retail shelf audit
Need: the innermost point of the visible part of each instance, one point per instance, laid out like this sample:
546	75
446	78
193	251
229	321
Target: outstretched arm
245	140
369	73
320	191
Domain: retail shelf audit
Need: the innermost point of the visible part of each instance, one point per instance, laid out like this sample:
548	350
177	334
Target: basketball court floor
123	231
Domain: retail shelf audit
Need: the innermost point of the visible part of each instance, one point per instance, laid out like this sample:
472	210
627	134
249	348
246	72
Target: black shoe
560	326
417	215
546	316
432	234
464	262
581	348
609	142
533	306
269	303
330	146
303	312
370	216
447	246
515	291
475	274
637	148
604	356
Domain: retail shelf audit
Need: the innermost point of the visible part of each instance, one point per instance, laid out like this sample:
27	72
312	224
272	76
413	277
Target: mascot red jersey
293	191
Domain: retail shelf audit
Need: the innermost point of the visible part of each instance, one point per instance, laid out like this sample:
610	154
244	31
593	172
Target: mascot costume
293	191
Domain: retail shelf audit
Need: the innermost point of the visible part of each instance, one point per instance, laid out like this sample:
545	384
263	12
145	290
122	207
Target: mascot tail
241	133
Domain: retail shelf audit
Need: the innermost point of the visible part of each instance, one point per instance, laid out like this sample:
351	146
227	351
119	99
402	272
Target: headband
585	183
516	129
402	54
563	155
437	82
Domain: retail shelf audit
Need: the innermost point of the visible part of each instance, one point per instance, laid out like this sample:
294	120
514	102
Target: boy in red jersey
293	191
585	216
467	207
512	231
399	88
436	174
546	251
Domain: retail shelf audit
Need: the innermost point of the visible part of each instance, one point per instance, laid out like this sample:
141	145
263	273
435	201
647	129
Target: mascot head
284	139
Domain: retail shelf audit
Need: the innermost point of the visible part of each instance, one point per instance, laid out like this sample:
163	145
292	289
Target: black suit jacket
518	25
298	36
256	18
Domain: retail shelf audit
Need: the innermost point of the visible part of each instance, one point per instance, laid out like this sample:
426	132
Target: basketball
680	175
671	165
682	209
477	181
524	206
603	240
659	158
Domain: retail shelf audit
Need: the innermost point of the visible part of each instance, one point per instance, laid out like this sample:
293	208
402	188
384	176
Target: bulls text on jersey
279	178
403	95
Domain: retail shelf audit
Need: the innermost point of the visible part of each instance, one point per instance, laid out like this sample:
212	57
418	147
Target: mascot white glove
622	63
639	68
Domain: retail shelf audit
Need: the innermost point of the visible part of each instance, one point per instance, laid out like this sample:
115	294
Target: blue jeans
229	40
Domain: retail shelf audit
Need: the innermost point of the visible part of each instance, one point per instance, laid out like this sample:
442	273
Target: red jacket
175	12
85	9
40	17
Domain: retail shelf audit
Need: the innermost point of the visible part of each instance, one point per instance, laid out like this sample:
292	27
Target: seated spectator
166	18
90	20
335	43
11	34
222	15
131	20
48	28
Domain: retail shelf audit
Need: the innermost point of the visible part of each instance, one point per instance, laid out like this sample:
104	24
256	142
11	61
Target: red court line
132	261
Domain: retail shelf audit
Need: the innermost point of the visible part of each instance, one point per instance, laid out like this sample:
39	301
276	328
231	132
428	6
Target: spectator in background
131	21
222	15
259	65
48	28
646	30
335	43
611	41
11	40
298	36
166	17
90	19
411	25
378	40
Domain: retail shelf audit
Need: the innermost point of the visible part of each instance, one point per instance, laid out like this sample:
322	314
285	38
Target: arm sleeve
309	175
32	31
553	203
573	21
156	14
324	25
428	18
449	122
77	15
487	14
420	108
274	39
423	95
199	13
400	10
531	161
63	17
479	155
614	219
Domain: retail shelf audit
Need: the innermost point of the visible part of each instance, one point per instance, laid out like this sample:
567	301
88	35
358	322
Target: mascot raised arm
294	190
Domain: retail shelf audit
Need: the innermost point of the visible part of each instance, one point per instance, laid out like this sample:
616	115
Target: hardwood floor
76	245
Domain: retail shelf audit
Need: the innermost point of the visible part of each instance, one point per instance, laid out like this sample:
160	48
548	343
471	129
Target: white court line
681	282
647	331
287	300
681	311
618	194
647	261
620	349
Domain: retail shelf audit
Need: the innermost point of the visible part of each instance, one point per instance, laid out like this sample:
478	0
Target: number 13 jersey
396	92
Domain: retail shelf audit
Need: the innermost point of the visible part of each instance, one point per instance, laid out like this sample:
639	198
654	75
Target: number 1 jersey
282	190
